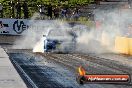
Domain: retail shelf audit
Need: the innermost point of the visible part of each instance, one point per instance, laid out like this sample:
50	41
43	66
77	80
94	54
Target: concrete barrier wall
13	26
123	45
130	46
5	39
9	77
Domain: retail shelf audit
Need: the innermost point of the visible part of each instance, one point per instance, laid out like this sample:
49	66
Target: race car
59	41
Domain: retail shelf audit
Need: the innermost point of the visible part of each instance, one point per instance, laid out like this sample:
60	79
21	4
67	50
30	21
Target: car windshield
57	32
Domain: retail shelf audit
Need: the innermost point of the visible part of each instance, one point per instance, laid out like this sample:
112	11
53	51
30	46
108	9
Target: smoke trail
114	23
89	40
32	37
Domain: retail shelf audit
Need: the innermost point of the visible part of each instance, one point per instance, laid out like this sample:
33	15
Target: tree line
9	6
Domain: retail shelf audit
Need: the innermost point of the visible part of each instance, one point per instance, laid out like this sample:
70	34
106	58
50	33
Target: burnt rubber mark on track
18	50
108	63
64	59
67	60
61	60
75	60
29	83
39	75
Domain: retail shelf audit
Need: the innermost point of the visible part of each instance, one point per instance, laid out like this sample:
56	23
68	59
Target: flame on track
81	71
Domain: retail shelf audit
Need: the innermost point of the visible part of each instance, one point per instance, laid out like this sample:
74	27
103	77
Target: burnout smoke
32	37
113	23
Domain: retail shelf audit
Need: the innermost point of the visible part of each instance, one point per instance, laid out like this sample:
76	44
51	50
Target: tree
32	5
79	2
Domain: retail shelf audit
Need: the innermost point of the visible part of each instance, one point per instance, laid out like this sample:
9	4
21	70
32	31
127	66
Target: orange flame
81	71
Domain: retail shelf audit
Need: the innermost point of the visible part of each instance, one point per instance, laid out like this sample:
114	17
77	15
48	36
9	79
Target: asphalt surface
9	78
60	70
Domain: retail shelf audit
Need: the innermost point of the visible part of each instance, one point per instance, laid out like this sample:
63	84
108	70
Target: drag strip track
108	63
25	77
74	60
36	72
64	61
48	70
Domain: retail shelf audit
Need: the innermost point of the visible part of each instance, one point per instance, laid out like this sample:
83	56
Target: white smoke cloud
114	23
32	37
89	40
